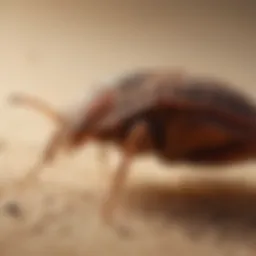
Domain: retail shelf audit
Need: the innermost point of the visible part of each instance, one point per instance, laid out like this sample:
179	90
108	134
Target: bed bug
177	116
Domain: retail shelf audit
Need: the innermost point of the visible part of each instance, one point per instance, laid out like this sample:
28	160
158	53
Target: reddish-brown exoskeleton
176	116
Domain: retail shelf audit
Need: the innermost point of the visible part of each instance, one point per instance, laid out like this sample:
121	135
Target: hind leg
131	147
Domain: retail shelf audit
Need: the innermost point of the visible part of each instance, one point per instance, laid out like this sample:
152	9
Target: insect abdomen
219	97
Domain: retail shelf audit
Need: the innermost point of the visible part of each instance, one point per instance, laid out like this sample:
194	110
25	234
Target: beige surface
58	49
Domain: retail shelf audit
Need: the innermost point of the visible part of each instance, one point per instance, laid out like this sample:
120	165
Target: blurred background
60	49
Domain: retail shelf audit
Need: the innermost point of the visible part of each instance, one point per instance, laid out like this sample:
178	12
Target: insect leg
48	156
104	164
131	147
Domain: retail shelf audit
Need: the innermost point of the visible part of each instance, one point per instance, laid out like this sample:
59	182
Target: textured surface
59	215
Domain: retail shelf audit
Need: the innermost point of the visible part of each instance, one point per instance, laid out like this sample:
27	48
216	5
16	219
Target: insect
177	116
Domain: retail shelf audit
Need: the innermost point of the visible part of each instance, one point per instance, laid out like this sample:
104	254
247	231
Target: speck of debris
12	209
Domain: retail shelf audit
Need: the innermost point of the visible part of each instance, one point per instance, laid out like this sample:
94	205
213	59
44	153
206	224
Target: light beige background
58	49
61	49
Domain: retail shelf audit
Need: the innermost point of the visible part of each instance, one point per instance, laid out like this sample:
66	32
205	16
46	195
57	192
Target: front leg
48	156
132	146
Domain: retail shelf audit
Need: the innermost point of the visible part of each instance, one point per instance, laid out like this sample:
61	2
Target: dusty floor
58	216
